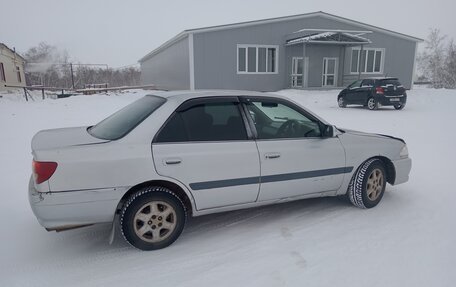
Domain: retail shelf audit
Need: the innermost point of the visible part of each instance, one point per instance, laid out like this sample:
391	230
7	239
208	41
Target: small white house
11	68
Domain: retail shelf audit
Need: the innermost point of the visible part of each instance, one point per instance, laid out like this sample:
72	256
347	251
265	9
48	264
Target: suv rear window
122	122
393	82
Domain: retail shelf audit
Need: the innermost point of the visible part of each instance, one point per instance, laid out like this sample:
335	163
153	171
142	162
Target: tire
341	102
399	106
372	104
368	184
152	218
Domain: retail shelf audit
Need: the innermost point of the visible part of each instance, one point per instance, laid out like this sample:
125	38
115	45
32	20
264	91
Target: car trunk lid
64	137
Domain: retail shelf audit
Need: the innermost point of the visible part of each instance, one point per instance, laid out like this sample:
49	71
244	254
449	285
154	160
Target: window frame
246	99
249	125
202	101
246	56
2	72
363	69
18	74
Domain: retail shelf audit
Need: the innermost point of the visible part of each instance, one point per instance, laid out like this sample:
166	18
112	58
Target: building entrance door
330	66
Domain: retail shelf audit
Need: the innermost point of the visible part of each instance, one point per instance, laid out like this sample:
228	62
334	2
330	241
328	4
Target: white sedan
177	154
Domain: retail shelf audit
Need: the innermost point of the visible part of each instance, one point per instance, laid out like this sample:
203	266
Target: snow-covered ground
408	240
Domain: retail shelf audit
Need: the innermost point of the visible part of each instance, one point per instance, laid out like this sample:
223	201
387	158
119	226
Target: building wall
315	53
169	69
10	62
399	59
215	55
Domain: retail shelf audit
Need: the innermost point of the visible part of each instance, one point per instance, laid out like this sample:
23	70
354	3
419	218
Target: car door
363	93
295	159
350	95
205	145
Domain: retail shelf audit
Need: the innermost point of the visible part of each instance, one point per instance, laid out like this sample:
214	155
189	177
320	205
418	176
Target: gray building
315	50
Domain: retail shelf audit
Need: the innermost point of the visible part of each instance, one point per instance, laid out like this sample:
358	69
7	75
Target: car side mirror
327	131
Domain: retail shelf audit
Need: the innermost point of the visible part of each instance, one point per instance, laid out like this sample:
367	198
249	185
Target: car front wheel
372	104
368	184
341	102
152	218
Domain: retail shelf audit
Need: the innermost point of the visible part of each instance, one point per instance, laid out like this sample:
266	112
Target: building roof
330	38
12	51
185	33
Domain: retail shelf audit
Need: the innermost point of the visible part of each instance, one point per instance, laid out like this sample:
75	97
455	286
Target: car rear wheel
152	218
372	104
341	102
368	184
399	106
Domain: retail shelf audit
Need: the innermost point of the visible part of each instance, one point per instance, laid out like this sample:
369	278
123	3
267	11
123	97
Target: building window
257	59
371	60
19	78
2	73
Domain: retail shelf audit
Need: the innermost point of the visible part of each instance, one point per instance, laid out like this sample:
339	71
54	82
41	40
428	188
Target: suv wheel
368	184
152	218
399	106
341	102
372	104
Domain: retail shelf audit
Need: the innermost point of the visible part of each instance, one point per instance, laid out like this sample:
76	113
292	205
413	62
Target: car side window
275	120
355	84
220	121
367	83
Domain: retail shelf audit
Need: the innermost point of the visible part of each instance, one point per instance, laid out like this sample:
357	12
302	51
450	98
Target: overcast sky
118	33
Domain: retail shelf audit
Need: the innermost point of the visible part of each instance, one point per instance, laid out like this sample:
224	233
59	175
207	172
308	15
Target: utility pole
72	76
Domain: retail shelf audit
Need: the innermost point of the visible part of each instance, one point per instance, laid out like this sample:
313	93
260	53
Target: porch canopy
334	37
332	73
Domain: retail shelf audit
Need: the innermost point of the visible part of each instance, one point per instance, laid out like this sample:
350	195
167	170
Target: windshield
122	122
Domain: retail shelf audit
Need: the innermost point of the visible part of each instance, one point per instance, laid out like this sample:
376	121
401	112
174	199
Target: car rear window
393	82
122	122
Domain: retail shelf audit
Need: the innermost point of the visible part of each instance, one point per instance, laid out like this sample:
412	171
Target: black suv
374	92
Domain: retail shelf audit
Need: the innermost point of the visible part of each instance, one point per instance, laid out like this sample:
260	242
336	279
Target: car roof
381	78
184	95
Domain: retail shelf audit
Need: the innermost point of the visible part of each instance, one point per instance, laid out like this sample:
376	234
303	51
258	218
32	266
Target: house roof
330	38
12	51
185	33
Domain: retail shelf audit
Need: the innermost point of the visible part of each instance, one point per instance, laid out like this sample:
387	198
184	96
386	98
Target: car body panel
302	166
217	173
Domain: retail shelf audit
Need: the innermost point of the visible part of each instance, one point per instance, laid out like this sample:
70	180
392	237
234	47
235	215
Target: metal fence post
25	93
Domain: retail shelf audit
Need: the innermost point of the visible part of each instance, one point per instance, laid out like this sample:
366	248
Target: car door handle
272	155
170	161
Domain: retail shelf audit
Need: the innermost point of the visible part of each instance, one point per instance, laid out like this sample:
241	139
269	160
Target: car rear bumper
70	209
402	167
391	101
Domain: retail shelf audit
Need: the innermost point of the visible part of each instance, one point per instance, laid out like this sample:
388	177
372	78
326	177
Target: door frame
294	74
325	74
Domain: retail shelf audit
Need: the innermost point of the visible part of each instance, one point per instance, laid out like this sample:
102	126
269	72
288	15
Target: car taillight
43	170
379	90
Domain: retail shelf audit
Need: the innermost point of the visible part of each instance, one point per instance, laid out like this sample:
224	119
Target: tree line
49	66
437	63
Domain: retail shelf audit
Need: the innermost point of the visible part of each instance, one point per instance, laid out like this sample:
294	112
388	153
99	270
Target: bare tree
449	69
49	66
431	60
